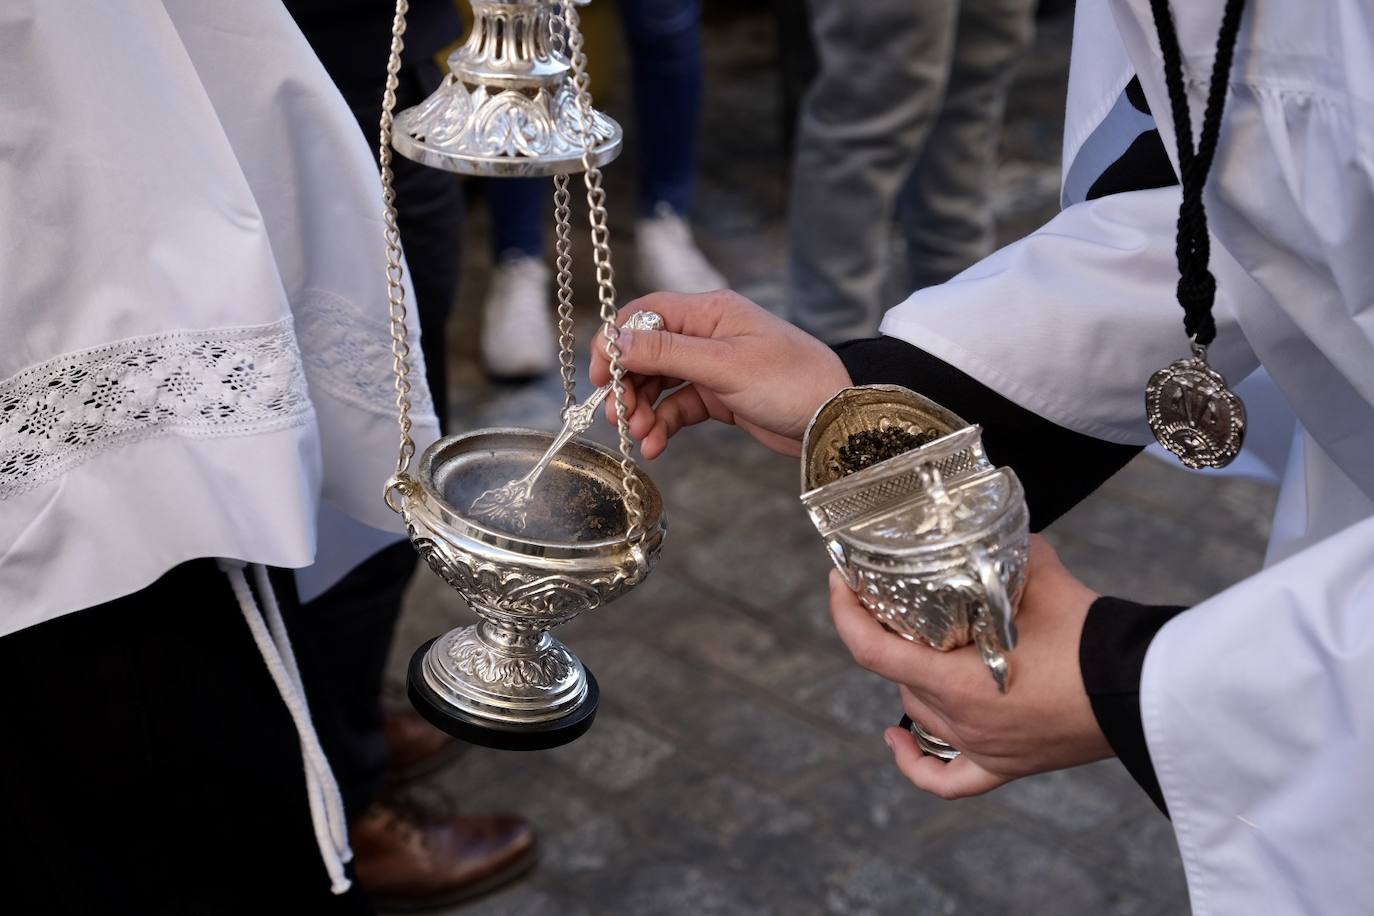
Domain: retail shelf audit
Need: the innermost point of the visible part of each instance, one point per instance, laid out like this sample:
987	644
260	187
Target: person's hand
719	357
1044	721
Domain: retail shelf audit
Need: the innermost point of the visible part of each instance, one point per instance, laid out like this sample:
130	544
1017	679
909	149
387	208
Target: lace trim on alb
203	384
348	354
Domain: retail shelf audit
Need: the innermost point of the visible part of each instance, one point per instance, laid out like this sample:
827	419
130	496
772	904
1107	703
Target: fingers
925	715
959	778
640	394
939	678
873	646
642	419
632	398
703	360
681	409
691	347
697	314
674	308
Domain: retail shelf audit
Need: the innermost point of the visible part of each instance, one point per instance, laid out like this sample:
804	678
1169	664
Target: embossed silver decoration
508	106
510	501
508	670
935	541
600	519
1194	414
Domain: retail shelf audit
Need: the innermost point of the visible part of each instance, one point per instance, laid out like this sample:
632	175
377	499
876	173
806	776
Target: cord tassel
322	792
328	785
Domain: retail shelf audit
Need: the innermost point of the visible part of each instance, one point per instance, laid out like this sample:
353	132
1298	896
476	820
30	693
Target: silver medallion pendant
1194	414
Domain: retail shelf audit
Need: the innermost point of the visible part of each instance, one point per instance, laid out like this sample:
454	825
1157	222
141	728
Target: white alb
194	358
1258	704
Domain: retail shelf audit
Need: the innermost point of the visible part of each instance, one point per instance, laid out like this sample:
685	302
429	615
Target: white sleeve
1071	321
194	349
1258	707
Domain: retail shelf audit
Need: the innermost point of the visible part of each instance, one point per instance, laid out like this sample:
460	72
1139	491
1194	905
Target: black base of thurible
487	733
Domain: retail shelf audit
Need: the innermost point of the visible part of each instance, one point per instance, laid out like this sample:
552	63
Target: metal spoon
510	501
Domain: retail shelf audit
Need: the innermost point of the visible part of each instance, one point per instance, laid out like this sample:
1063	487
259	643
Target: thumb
697	360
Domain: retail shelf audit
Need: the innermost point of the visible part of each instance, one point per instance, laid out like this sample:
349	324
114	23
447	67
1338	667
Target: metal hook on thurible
398	487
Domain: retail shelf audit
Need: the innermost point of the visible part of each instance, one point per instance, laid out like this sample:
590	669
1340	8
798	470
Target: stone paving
736	766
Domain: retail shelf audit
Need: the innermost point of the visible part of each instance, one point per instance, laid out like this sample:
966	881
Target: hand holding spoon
510	501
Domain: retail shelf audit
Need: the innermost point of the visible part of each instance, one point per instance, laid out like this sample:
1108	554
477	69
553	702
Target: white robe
194	350
1258	704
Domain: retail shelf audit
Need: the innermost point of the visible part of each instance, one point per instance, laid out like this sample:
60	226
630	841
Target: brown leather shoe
414	747
411	857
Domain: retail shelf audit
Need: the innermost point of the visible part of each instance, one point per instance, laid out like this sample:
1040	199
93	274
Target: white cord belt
322	790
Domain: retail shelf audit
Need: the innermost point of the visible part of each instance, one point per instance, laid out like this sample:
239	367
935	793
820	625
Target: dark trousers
664	38
148	764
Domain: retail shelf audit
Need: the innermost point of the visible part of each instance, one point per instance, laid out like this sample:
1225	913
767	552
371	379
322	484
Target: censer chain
567	343
562	218
605	274
395	270
601	255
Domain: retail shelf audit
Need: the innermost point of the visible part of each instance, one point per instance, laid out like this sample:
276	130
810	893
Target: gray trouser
901	124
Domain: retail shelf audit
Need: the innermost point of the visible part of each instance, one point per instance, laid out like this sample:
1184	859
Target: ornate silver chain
395	270
601	255
570	35
562	217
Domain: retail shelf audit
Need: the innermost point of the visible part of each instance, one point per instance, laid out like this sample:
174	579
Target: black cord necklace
1191	410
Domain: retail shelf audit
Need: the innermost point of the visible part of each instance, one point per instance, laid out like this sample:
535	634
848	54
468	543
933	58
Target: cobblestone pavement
736	766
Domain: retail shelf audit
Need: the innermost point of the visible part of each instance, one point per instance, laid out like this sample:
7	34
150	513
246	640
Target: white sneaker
668	259
518	336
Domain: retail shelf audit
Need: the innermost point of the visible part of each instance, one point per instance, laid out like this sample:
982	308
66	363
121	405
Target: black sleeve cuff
1058	467
1111	656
